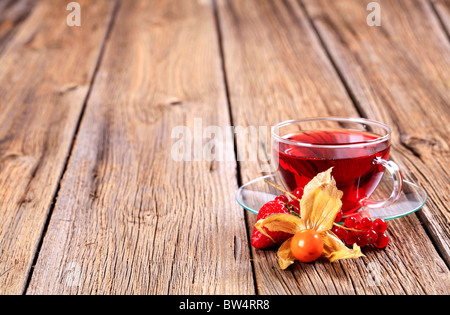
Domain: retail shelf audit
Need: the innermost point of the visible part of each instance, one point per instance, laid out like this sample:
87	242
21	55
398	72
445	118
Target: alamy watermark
74	17
72	274
216	143
374	17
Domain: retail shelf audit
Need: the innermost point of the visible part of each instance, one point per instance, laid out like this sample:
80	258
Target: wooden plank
12	14
129	219
277	70
399	73
442	8
45	75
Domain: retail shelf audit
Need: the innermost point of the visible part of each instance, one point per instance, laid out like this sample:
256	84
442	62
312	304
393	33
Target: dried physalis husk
285	256
321	202
319	206
334	249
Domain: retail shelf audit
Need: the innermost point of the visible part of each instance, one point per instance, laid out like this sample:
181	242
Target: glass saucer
253	195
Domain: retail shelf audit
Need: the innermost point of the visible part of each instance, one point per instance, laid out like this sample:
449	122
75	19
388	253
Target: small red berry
361	240
366	223
371	236
382	241
282	198
350	237
339	216
298	192
379	225
339	232
350	222
358	225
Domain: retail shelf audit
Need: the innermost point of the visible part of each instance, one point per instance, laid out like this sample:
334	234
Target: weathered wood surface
89	189
276	66
45	75
442	8
128	217
13	13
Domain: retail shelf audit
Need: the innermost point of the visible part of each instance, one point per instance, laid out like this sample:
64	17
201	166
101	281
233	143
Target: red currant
371	236
339	216
366	224
339	232
379	225
350	237
335	229
350	222
361	240
382	241
358	225
282	198
298	192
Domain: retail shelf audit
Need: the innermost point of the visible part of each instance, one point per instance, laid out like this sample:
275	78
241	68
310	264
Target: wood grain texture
128	218
276	70
43	86
399	73
442	8
12	14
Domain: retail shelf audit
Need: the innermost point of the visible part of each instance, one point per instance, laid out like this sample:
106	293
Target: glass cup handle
394	170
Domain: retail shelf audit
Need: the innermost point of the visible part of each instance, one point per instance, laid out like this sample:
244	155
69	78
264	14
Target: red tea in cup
358	158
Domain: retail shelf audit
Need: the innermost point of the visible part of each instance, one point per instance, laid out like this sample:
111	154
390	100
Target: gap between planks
348	89
439	18
230	113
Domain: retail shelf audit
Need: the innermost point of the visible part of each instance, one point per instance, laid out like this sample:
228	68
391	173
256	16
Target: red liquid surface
354	169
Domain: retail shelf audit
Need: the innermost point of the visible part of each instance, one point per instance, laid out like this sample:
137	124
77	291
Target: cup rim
355	120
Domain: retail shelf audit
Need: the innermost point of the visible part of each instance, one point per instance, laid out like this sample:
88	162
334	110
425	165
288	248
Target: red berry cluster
363	232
